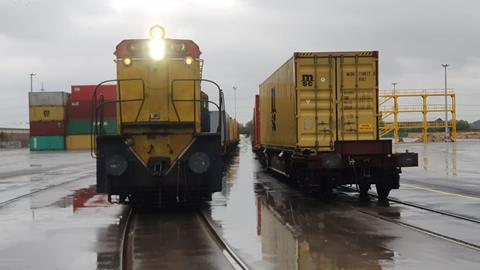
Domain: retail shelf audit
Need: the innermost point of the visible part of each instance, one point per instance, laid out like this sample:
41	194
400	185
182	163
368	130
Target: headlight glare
127	61
157	49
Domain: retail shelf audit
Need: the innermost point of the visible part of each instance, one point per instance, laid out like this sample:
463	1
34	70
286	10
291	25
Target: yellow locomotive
165	150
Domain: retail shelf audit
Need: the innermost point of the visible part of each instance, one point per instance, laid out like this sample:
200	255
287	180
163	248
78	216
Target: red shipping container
257	121
82	110
85	92
47	128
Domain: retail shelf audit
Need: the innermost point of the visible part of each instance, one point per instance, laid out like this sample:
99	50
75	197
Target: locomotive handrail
97	110
220	106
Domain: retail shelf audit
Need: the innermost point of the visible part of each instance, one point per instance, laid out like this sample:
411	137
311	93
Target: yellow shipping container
78	142
47	113
315	99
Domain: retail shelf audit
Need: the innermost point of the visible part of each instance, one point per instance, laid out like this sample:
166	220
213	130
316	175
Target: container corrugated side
47	128
277	108
315	99
47	143
336	98
48	98
85	92
78	142
83	127
47	113
83	110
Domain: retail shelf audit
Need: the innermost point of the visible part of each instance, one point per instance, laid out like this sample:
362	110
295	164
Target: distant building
14	137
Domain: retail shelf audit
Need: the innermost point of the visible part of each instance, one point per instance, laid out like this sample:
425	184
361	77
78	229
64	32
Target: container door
316	102
357	97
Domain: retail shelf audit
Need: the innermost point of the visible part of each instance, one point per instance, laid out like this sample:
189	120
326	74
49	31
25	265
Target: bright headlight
188	60
127	61
157	49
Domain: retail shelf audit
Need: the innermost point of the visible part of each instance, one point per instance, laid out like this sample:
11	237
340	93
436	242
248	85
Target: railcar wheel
383	191
364	196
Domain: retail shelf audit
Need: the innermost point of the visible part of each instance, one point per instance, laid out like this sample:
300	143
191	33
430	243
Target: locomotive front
163	151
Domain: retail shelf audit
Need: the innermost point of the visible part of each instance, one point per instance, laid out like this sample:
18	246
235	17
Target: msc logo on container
307	80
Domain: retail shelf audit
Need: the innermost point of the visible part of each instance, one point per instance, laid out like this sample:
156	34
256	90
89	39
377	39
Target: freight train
316	122
168	146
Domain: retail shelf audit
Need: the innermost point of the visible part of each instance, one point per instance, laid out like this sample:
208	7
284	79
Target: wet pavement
448	177
51	216
278	227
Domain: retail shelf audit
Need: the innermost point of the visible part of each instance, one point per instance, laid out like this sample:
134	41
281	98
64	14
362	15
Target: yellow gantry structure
387	111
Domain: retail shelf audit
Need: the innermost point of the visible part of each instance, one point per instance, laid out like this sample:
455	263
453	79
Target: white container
48	98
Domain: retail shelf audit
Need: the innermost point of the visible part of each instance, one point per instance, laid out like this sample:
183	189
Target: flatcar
316	122
164	151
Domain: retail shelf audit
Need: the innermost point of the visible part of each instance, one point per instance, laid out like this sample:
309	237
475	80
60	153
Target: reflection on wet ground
63	224
447	160
173	239
448	177
59	222
281	228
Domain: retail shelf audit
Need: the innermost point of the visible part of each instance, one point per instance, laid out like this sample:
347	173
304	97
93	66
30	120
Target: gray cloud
71	42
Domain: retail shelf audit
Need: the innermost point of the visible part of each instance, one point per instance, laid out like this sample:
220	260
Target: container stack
80	108
47	112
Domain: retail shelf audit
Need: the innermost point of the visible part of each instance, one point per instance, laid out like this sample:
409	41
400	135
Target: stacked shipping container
80	110
47	112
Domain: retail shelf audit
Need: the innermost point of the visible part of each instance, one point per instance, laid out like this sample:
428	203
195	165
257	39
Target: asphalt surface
448	177
50	215
278	227
51	218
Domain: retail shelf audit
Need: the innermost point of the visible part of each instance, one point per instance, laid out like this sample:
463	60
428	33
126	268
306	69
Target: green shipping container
46	143
84	127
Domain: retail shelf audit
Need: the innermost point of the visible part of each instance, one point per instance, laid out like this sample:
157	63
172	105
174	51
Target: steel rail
227	251
9	201
445	213
419	229
123	251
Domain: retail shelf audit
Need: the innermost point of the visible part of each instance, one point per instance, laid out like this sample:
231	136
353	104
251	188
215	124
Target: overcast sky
243	41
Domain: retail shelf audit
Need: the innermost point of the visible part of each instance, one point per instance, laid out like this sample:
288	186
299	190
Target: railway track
127	257
443	213
124	243
227	251
461	242
25	195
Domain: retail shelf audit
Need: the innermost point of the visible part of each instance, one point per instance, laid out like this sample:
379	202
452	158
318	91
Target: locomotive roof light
157	32
157	43
188	60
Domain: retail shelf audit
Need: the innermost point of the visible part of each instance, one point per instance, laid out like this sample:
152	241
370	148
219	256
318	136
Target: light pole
235	100
394	85
31	81
446	103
